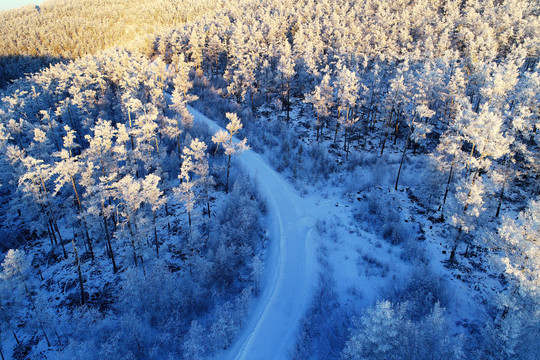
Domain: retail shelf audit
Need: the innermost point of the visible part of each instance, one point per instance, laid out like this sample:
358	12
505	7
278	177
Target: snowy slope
269	332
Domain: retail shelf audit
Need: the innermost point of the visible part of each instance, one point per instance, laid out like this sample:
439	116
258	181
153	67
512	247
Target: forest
407	134
35	37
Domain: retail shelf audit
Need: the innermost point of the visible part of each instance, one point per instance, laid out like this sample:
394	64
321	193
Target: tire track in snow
270	329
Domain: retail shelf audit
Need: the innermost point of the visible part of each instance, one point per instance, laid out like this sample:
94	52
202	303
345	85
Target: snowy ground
269	333
367	266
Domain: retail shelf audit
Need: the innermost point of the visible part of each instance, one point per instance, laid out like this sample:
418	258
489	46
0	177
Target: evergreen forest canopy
104	147
61	30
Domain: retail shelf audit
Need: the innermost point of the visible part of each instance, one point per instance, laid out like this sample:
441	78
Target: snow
270	330
367	267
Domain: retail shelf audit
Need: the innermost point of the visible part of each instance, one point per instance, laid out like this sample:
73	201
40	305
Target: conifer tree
230	144
67	169
180	96
286	70
153	196
322	100
347	94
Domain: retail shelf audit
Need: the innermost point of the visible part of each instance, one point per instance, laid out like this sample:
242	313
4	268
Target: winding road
290	267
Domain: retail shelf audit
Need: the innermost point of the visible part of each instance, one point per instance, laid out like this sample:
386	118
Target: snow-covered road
270	330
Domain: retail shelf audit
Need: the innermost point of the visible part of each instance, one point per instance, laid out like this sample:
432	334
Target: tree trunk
9	326
318	127
402	158
155	232
54	227
52	217
452	259
500	201
15	336
132	241
167	215
288	101
383	144
76	193
115	269
470	191
337	128
447	186
134	251
88	241
346	131
228	169
51	232
58	337
81	282
469	162
449	180
189	221
44	333
502	193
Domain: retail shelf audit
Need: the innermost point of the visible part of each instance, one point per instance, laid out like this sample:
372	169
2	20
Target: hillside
62	30
279	180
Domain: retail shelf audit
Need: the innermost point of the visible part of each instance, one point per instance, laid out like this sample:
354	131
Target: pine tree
347	94
230	144
195	161
286	70
67	169
152	196
384	334
127	191
33	183
322	100
519	240
180	96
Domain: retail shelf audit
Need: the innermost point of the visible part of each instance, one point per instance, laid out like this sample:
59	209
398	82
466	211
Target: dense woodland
63	30
118	204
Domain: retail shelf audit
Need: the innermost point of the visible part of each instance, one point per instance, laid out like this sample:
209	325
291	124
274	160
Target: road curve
270	330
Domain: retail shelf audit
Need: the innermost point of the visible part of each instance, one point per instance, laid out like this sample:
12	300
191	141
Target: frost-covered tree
98	198
101	150
185	193
286	69
33	183
322	99
195	161
417	130
16	278
347	94
180	96
517	251
147	137
386	332
520	241
127	192
153	196
68	169
230	144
